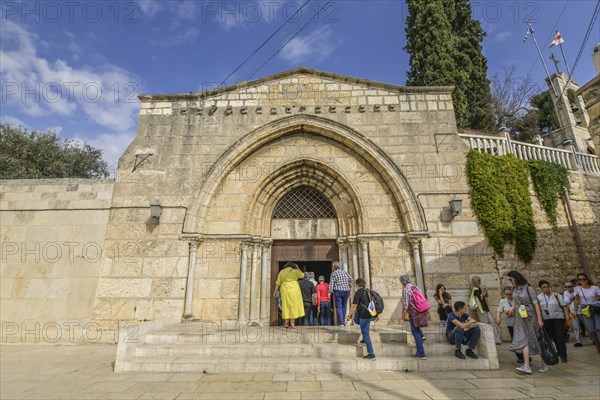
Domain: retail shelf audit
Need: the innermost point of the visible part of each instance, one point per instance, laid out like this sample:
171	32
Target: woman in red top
323	302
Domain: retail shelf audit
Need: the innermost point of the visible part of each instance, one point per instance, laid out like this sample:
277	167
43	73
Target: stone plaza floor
85	372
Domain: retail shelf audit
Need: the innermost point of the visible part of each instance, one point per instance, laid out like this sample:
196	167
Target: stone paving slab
85	372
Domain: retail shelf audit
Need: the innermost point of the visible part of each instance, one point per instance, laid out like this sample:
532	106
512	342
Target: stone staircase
210	348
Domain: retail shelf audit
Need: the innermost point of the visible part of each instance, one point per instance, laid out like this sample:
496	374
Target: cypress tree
444	45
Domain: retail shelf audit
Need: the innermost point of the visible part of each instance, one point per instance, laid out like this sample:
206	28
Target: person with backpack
554	313
414	310
363	305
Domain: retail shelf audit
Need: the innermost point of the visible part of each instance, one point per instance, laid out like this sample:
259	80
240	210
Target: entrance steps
206	347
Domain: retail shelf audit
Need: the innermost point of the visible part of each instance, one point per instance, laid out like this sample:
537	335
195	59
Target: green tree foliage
538	120
546	115
526	128
444	46
35	155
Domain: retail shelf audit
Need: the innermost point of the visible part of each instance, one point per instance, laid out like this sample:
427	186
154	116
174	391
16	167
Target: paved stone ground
85	372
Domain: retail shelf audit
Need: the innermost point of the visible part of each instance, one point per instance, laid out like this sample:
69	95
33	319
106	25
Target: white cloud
186	10
149	7
39	87
315	46
502	36
16	122
113	146
188	36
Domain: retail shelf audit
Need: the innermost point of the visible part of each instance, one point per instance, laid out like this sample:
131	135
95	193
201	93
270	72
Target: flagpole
541	58
565	59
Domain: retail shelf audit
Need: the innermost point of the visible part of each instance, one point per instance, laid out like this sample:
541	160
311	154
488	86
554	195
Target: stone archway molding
316	174
405	199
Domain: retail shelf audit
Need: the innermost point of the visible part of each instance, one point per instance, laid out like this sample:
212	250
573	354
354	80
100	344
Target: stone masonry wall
52	234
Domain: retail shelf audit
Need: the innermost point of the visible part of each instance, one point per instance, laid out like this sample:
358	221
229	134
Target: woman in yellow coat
292	306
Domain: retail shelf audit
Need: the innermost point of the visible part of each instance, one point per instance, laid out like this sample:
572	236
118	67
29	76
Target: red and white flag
557	39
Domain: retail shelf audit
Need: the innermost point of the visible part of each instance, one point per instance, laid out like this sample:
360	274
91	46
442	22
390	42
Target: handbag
421	320
549	353
314	299
406	316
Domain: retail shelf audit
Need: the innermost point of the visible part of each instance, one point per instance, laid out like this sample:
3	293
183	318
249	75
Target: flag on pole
528	32
557	39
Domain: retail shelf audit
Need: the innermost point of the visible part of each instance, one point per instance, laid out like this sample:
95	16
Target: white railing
526	151
588	163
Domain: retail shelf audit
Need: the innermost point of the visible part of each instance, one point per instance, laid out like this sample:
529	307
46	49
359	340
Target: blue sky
77	67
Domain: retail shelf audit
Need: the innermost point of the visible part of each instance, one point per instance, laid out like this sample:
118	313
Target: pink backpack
421	303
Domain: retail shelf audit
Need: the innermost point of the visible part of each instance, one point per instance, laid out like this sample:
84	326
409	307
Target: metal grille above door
304	202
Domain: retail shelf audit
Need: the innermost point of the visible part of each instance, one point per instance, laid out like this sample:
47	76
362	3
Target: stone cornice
299	71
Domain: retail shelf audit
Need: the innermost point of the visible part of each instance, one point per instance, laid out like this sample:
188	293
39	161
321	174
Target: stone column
264	292
345	256
343	253
365	259
354	247
243	274
416	245
189	287
254	300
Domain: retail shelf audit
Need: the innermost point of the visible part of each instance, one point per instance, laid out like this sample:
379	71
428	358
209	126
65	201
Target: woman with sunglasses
528	320
585	295
507	306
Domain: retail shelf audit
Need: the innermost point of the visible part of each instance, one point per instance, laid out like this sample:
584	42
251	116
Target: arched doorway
304	228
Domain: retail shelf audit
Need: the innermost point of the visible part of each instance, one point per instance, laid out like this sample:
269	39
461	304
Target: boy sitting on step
459	326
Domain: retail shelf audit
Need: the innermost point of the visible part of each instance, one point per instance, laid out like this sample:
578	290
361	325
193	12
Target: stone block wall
52	243
217	162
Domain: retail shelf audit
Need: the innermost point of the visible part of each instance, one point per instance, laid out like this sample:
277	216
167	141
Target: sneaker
459	354
544	368
524	368
471	354
370	357
564	359
420	357
577	345
362	341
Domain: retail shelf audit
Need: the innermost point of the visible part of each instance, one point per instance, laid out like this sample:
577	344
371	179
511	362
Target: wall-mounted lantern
155	211
455	207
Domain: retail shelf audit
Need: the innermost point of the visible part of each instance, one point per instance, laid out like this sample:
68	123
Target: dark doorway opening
315	255
318	267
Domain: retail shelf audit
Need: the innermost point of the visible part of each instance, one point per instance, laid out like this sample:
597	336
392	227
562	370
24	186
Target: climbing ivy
515	176
488	200
549	182
501	201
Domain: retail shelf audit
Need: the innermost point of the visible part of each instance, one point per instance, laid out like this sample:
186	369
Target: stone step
283	350
303	364
289	350
276	335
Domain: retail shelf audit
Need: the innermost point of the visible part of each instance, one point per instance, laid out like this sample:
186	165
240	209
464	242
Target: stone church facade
302	166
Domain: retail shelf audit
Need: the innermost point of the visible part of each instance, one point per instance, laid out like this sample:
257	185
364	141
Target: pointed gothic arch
408	207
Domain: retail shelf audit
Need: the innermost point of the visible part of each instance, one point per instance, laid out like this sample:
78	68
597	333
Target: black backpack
378	301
